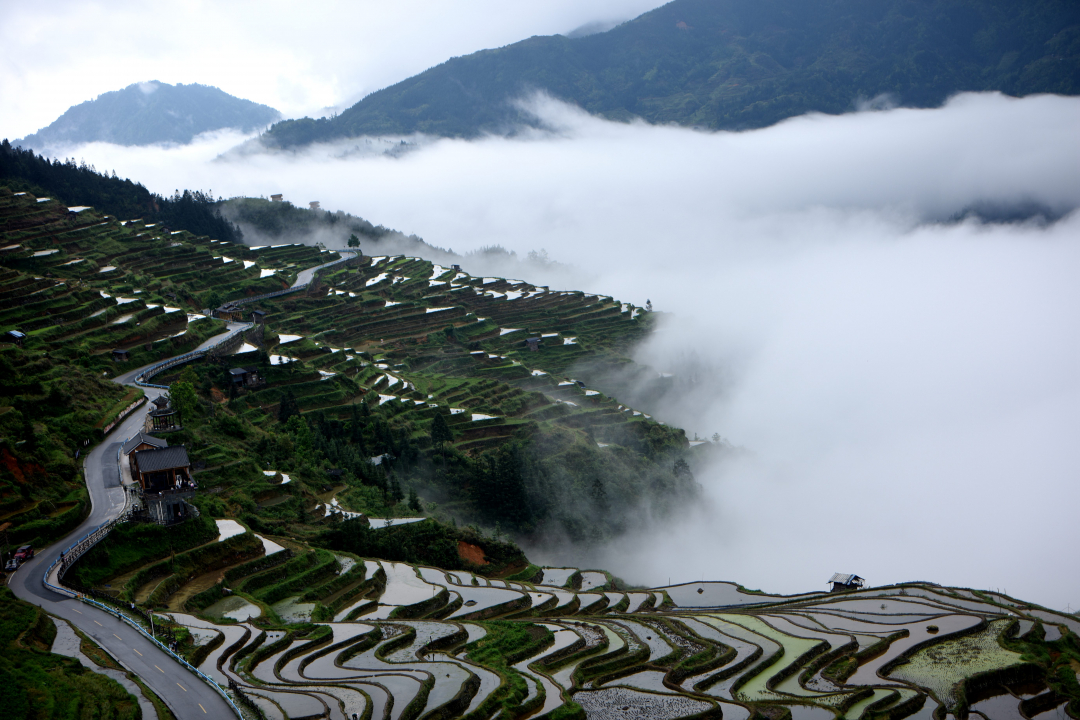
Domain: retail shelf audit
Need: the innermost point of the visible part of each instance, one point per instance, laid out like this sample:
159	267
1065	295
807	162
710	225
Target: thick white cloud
298	58
906	388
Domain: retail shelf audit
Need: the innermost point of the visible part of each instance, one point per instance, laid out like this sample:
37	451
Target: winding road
185	693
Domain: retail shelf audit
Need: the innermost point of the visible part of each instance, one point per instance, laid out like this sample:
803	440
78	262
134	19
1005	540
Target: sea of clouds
901	373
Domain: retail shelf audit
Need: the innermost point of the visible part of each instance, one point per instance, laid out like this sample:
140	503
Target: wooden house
163	469
842	582
120	355
141	441
245	377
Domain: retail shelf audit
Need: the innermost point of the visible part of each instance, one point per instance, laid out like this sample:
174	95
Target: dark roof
160	401
845	578
117	351
239	371
162	459
141	438
258	312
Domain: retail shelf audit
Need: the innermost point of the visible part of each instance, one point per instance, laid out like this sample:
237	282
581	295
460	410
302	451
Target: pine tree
395	490
288	407
414	501
440	431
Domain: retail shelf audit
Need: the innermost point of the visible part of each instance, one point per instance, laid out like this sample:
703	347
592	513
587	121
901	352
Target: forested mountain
151	112
75	184
734	64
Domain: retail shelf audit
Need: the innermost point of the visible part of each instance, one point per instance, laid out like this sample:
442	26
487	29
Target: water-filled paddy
233	608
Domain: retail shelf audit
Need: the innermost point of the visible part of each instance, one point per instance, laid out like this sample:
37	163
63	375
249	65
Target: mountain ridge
149	113
733	65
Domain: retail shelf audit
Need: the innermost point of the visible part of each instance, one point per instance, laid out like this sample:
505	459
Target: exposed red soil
471	553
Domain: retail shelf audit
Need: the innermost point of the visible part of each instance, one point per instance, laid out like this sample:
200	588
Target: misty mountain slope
151	112
734	64
83	185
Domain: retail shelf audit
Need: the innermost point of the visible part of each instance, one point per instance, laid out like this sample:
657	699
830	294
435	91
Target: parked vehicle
24	553
12	565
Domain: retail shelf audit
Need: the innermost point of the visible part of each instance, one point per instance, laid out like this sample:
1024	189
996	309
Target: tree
354	241
288	407
598	492
185	400
681	468
189	376
395	490
440	431
414	501
213	299
301	432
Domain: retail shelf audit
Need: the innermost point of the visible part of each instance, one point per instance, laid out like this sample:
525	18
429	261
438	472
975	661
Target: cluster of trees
543	478
426	543
278	220
81	184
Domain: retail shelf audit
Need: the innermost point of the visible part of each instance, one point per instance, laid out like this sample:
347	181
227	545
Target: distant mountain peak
149	113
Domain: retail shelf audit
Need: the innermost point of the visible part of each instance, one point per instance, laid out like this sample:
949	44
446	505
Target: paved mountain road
187	695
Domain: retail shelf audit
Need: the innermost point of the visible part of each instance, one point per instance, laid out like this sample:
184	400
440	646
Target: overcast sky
297	57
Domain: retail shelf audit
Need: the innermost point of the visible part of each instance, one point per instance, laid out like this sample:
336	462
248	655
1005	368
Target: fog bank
903	379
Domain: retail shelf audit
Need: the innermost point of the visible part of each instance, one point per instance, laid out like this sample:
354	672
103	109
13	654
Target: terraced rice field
682	662
306	632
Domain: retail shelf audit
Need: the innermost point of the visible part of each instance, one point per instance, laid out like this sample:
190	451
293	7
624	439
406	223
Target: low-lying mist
900	373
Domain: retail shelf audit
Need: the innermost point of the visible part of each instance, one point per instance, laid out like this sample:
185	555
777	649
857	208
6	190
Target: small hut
14	336
258	317
842	582
275	198
120	355
245	377
533	344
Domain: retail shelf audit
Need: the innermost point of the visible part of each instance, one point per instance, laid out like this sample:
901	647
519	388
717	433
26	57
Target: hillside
149	113
351	556
394	355
84	186
733	64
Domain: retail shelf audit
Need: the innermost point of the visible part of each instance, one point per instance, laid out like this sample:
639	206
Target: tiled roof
162	459
141	438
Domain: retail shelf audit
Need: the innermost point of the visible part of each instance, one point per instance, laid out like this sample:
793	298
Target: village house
842	582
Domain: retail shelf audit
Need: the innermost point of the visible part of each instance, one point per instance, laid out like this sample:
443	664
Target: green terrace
74	279
291	623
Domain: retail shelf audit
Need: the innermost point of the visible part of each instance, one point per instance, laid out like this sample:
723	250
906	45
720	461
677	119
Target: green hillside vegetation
283	221
38	684
82	185
468	425
80	284
149	113
733	64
